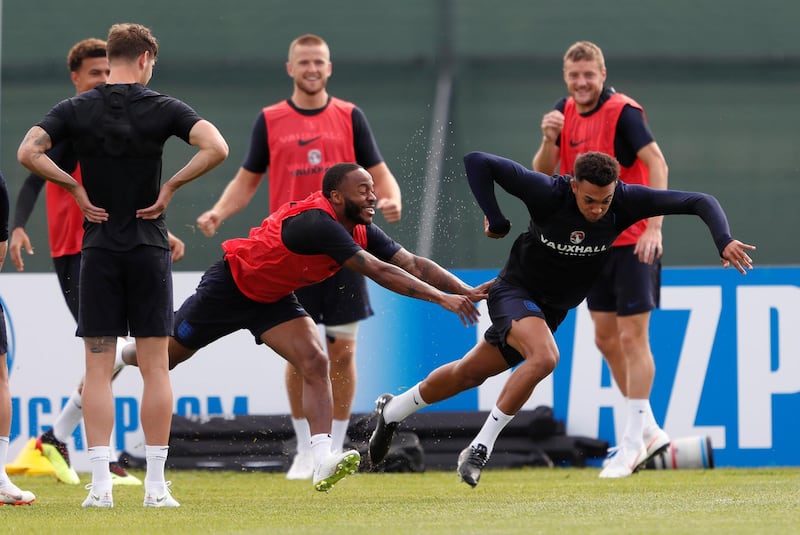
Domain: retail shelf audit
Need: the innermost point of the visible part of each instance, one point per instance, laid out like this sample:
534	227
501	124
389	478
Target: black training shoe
470	463
381	439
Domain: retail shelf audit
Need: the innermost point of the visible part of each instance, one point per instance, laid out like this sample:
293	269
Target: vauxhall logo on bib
574	248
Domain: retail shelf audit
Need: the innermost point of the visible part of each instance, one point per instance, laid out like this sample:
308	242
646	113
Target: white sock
156	457
320	447
338	434
650	423
3	460
634	428
98	457
303	434
69	417
404	405
488	434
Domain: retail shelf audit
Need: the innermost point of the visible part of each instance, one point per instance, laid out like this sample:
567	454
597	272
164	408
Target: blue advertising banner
726	347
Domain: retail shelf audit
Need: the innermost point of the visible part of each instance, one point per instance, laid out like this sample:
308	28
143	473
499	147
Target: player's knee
314	366
633	342
606	342
542	362
342	357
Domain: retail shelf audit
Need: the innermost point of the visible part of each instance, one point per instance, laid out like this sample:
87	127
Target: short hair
335	175
129	41
597	168
585	51
88	48
306	39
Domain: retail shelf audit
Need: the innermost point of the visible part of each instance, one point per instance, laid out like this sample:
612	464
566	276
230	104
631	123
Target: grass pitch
527	500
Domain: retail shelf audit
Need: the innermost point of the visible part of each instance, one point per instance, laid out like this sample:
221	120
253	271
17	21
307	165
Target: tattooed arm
32	154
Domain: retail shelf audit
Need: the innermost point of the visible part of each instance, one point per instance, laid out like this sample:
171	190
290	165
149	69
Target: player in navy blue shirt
550	269
594	117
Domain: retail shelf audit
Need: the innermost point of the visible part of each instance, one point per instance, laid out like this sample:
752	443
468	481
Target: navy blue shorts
218	308
626	285
507	303
338	300
68	271
126	292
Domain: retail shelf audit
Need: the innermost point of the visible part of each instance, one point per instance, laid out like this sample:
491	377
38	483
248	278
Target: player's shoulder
341	102
315	217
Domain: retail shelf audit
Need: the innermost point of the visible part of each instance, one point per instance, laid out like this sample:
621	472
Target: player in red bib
297	140
596	118
300	244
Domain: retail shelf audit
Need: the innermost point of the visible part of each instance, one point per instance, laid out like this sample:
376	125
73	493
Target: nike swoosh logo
414	397
303	142
576	143
495	418
161	499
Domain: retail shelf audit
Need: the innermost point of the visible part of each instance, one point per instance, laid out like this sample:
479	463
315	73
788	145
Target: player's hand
463	306
552	124
208	223
391	210
92	213
495	234
176	246
19	241
648	248
155	210
735	254
480	292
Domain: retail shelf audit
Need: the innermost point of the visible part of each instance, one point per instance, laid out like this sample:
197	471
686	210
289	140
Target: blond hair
585	51
307	39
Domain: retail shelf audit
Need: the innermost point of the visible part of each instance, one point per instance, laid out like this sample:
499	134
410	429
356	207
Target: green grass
529	500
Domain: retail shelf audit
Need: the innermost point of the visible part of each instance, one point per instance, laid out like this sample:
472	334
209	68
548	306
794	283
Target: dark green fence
720	82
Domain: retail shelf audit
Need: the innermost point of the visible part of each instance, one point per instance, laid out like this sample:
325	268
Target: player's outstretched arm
399	281
438	277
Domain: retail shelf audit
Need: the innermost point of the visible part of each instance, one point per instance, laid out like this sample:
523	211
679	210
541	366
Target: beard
353	212
310	90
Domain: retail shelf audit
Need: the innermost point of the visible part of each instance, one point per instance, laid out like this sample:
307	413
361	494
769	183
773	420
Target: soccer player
10	494
299	244
88	66
550	270
297	140
597	118
119	130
